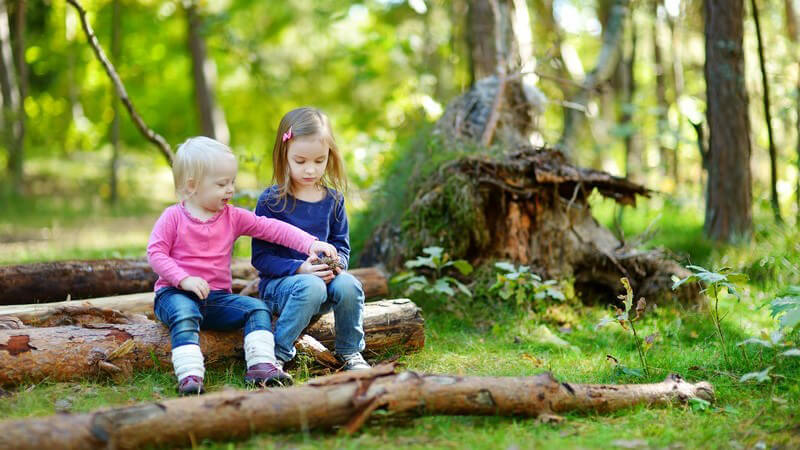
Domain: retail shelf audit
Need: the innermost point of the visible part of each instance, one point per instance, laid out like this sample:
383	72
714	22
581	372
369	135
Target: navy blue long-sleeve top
325	219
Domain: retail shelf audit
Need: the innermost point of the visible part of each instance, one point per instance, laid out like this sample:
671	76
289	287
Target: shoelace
354	358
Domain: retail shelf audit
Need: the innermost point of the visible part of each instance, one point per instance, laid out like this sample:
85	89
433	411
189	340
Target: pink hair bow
288	135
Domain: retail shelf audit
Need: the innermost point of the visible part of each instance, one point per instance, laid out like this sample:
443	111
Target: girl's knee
312	289
346	287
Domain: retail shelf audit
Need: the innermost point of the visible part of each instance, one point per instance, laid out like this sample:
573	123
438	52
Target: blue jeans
185	314
296	298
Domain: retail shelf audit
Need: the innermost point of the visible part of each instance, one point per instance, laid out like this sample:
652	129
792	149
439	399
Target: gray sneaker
354	361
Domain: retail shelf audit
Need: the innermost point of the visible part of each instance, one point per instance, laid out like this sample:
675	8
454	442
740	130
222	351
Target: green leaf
434	252
505	266
604	321
463	266
420	262
402	276
760	377
461	287
628	301
790	319
630	371
767	344
442	287
699	404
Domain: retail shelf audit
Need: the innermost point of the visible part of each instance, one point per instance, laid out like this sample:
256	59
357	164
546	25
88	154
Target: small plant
524	286
435	263
713	283
774	341
787	306
624	319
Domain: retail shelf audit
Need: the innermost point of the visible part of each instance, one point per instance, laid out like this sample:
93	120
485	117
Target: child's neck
197	211
309	193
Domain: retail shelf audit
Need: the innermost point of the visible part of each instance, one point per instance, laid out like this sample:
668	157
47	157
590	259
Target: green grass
502	344
484	338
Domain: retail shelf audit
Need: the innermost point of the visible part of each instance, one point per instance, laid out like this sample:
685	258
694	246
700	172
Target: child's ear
191	186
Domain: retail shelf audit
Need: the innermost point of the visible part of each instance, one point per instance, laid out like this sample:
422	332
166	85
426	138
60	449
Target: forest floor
484	337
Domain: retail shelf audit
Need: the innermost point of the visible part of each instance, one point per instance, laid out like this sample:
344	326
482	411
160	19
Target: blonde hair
306	121
192	161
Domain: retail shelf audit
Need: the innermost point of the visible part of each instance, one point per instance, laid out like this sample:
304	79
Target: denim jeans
185	314
296	298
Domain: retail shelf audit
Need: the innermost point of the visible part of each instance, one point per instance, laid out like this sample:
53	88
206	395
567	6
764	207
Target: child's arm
340	232
276	231
160	245
265	257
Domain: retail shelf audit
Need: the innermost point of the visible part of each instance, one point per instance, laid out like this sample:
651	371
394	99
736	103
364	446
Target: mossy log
58	280
346	399
69	353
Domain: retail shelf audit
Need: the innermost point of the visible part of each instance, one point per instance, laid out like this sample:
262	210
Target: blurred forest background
383	70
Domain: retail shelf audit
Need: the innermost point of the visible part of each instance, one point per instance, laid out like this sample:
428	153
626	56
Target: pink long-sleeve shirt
181	245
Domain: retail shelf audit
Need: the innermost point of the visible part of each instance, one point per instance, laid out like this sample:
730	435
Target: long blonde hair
306	121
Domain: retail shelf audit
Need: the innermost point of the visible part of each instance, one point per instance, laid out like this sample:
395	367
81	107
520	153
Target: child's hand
323	247
314	266
197	285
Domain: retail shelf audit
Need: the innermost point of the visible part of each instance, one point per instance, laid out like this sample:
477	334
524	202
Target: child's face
216	188
308	157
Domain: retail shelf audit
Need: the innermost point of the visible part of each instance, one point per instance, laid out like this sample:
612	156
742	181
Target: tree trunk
773	154
629	88
661	90
55	281
495	62
606	64
12	104
22	77
343	399
116	44
677	80
794	36
204	73
729	200
70	353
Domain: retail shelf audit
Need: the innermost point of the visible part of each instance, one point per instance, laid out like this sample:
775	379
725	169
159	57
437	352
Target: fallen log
69	353
53	281
40	314
345	399
59	280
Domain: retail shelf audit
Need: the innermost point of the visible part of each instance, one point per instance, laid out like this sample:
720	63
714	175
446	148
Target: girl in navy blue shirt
309	179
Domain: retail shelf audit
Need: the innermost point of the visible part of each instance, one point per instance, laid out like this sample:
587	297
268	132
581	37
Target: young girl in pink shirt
190	250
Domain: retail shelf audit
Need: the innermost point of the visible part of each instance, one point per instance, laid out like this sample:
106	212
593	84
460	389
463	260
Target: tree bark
773	154
661	89
629	88
677	80
729	201
604	68
12	104
116	44
794	36
55	281
204	74
345	399
70	353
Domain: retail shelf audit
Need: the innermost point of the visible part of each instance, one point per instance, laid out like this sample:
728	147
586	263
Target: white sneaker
279	364
354	361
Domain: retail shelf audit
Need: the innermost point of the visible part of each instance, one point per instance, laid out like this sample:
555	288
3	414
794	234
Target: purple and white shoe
267	374
191	385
